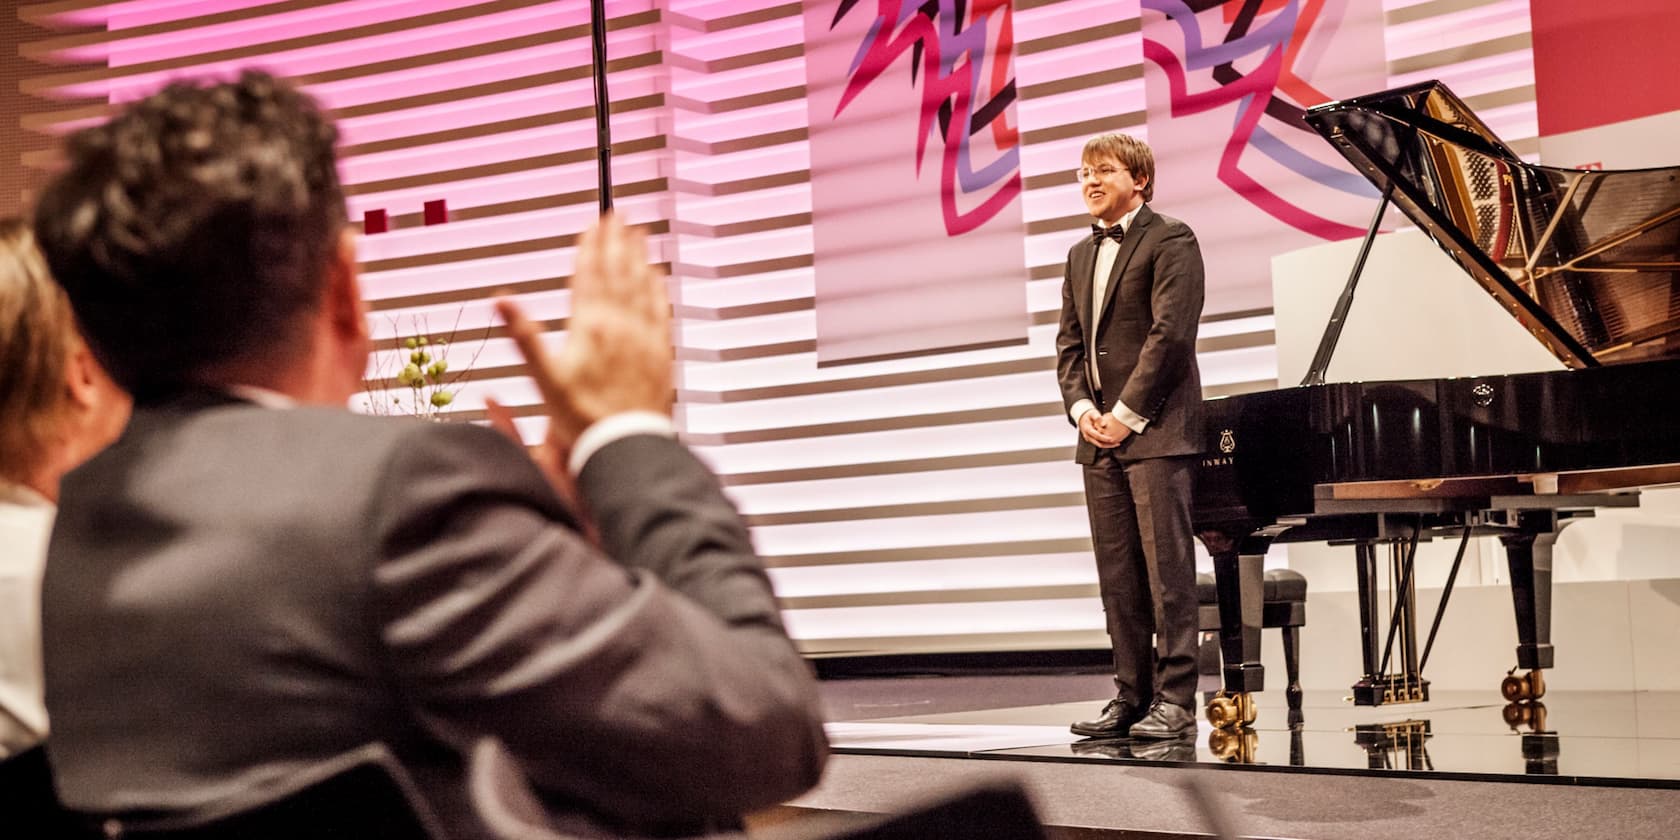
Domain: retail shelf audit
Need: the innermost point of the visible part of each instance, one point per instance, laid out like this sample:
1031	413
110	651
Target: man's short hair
192	230
37	334
1132	153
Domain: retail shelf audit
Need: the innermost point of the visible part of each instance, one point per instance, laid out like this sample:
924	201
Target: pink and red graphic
1272	89
906	263
1227	82
954	48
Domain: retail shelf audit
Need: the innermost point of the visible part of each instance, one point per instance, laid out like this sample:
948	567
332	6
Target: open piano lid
1587	261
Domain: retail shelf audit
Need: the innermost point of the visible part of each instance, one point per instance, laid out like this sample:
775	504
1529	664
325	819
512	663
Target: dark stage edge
1087	801
1615	755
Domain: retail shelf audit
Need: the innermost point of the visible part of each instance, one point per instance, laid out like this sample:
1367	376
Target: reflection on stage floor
1616	738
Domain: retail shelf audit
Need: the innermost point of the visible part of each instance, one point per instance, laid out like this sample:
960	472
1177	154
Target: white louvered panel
822	456
1020	571
940	486
901	624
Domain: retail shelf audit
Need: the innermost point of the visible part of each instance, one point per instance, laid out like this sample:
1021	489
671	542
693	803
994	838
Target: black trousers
1146	571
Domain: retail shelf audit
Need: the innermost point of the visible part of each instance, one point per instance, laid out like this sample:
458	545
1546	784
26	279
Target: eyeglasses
1103	172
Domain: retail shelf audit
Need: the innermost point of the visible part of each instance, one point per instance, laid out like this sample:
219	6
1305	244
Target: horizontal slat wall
923	503
919	504
486	106
1482	49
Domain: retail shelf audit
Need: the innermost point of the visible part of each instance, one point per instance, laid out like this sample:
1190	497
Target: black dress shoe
1165	720
1116	718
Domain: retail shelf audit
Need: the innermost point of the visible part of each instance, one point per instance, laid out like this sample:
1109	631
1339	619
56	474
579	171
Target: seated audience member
254	579
57	407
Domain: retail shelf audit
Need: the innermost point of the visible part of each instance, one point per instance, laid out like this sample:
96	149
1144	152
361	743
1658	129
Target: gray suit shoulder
1173	224
376	435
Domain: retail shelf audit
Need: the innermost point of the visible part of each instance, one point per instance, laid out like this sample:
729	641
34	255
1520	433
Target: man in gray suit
253	580
1126	362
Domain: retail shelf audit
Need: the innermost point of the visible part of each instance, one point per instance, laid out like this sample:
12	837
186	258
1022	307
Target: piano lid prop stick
1333	330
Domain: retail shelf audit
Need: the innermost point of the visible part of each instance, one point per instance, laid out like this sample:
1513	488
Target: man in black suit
1126	362
253	580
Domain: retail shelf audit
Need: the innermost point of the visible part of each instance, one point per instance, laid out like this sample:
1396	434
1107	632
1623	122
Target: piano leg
1528	552
1241	603
1292	667
1365	554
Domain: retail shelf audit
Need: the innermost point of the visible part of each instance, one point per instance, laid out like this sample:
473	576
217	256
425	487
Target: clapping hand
617	353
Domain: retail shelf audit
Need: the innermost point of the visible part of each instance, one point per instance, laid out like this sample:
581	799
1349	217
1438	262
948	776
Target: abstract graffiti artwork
915	177
1227	83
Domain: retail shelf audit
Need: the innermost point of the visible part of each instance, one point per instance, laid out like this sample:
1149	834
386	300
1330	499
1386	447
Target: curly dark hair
191	230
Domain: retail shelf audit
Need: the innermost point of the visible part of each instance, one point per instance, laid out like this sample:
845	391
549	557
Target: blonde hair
1132	153
37	336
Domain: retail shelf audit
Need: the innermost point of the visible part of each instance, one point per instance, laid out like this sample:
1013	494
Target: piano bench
1285	607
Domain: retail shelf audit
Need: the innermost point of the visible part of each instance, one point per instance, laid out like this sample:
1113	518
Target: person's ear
82	377
346	311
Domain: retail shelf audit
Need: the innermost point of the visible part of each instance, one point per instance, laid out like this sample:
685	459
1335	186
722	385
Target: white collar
1125	222
261	396
17	494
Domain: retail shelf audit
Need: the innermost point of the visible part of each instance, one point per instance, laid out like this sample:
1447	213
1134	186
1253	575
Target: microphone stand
603	123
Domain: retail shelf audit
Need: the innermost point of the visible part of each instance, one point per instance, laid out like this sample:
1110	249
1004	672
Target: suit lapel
1128	246
1084	261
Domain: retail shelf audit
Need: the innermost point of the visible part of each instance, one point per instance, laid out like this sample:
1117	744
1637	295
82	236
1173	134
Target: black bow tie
1114	232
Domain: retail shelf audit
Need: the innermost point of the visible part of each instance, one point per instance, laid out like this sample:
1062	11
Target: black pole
1338	317
1463	543
603	122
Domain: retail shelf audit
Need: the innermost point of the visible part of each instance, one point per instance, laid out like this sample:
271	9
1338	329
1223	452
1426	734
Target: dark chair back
28	799
997	810
994	810
362	794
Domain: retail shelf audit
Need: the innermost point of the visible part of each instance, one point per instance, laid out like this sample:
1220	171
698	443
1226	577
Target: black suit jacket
235	593
1145	341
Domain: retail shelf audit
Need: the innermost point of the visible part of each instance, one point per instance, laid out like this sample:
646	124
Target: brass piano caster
1531	713
1226	711
1529	686
1235	746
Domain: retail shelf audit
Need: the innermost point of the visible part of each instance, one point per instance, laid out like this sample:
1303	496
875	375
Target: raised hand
617	354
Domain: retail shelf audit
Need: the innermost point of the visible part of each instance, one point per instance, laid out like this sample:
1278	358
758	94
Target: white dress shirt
1107	252
26	519
602	432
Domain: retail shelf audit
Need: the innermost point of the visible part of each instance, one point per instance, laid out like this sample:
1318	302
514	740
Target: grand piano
1589	263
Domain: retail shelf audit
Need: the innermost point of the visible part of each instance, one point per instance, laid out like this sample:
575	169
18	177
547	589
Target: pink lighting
467	146
491	108
140	74
219	30
471	68
491	149
136	13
